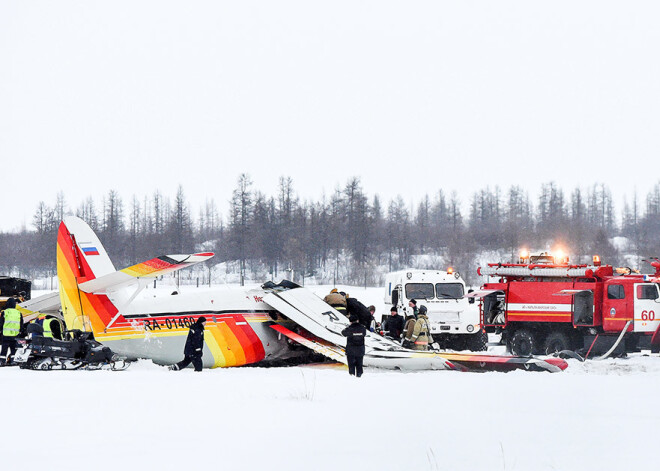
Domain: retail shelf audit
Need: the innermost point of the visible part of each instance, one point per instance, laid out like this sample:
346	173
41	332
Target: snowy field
598	415
594	415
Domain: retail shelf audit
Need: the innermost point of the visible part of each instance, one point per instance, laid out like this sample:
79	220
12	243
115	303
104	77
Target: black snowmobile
79	352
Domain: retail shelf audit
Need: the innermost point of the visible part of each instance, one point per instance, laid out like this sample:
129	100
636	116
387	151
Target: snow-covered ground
594	415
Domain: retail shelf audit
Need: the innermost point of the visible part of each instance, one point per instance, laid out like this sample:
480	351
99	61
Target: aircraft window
615	292
419	290
449	290
647	292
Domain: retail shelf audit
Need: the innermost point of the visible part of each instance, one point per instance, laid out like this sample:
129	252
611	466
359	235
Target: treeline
349	236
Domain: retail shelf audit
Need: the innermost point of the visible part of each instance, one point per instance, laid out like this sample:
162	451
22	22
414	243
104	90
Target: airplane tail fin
81	258
92	292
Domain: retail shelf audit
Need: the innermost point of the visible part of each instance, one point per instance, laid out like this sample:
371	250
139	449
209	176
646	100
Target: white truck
455	323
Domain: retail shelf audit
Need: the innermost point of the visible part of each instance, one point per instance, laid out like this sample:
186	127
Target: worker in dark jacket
412	304
394	324
355	334
194	347
356	308
11	320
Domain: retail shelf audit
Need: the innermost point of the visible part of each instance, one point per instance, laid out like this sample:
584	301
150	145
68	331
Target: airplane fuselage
155	325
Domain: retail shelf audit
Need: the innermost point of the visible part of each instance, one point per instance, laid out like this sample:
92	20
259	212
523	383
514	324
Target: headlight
470	328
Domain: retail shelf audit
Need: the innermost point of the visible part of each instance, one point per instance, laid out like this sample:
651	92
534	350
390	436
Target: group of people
13	327
414	331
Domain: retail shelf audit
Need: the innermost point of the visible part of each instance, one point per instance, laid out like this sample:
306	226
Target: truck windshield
419	290
449	290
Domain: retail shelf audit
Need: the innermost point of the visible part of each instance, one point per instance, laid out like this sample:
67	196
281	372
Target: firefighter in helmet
419	337
336	300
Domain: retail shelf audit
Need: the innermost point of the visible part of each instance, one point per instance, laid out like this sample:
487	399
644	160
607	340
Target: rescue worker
394	324
52	328
372	323
12	324
34	329
408	329
336	300
413	305
420	336
355	307
194	348
355	334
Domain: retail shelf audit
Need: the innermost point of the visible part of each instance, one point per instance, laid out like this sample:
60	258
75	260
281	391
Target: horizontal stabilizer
47	303
150	269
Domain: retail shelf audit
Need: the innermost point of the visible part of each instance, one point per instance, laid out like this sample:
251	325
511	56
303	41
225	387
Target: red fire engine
542	306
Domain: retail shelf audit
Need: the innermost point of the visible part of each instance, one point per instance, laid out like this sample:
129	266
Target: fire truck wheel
523	343
556	342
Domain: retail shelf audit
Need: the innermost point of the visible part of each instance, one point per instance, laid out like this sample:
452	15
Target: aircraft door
647	307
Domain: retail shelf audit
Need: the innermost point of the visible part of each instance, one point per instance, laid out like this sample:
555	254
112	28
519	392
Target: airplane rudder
91	257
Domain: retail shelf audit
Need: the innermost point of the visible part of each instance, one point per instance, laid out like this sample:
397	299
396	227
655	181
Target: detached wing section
150	269
315	316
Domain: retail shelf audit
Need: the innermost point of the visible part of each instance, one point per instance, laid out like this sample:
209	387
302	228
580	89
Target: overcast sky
411	96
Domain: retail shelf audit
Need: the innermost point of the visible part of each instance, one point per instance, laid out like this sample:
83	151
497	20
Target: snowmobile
79	352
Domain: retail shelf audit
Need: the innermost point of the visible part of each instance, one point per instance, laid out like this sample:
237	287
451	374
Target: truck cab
454	322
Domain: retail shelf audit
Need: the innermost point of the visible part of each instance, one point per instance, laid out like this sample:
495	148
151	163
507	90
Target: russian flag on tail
90	251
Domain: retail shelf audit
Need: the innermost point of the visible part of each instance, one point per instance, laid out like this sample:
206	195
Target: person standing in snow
394	324
11	324
420	336
372	323
355	334
194	347
412	304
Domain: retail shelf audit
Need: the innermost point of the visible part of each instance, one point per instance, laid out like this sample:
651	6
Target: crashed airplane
243	327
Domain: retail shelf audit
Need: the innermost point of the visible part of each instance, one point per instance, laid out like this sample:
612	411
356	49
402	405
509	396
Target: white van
455	322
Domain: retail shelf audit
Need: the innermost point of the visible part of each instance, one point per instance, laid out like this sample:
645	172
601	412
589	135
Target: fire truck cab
454	321
549	307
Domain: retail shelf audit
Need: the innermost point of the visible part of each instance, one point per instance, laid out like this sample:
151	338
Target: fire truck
542	305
